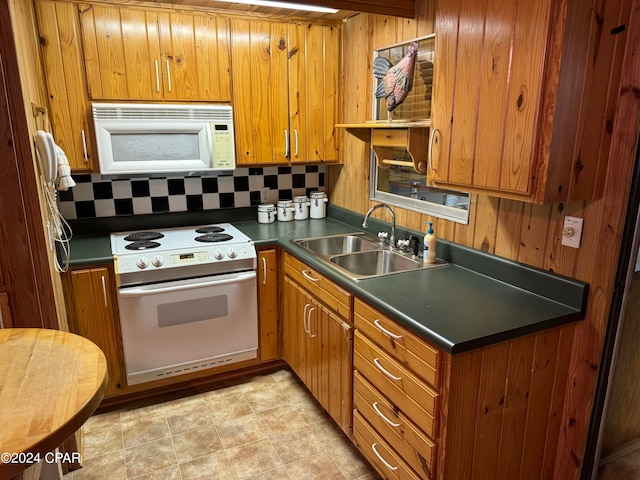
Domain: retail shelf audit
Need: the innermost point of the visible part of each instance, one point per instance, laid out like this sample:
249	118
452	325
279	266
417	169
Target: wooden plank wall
48	293
527	233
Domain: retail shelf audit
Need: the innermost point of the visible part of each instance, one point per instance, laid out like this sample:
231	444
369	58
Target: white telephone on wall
58	228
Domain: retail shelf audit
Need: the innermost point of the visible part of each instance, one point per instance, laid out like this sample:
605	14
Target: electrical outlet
264	195
572	232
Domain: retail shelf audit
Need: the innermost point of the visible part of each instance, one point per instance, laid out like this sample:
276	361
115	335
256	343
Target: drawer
394	426
378	452
406	347
328	292
415	398
390	137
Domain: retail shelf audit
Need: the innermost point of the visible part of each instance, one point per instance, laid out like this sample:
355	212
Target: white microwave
163	138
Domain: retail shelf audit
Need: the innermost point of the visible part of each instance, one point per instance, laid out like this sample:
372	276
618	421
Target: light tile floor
265	427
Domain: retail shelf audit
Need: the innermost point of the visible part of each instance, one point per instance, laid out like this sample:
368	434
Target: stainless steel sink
337	244
360	255
376	262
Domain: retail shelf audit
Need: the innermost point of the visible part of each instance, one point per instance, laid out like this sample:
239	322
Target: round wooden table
50	383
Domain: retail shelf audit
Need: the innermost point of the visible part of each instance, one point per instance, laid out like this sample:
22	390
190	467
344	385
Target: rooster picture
396	80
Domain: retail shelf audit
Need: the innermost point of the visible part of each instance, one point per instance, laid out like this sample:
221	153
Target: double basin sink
359	255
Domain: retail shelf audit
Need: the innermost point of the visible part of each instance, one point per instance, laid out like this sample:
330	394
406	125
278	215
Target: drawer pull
382	416
385	371
389	466
312	335
309	277
376	322
304	319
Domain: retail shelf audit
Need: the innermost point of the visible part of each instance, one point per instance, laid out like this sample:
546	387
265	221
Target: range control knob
218	254
157	261
231	252
142	262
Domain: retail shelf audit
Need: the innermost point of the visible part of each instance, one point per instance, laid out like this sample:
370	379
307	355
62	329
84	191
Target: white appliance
163	138
187	299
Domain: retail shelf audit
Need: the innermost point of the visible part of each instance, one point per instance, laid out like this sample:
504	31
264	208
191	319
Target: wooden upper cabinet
69	105
137	54
517	111
285	91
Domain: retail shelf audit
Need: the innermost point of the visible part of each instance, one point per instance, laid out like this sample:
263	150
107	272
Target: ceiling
347	8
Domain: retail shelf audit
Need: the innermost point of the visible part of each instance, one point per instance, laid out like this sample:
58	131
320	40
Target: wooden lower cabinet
317	345
268	303
93	313
396	398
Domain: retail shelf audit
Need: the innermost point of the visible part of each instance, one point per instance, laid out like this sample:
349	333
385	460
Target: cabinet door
314	59
93	316
268	302
121	53
490	63
62	55
335	384
195	57
259	59
296	305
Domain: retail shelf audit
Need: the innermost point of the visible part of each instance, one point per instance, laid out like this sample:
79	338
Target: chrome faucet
392	240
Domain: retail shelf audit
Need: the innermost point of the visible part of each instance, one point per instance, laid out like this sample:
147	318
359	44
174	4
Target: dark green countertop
477	300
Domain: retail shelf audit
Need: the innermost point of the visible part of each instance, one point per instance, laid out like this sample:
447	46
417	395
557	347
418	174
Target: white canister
285	210
301	207
318	205
266	213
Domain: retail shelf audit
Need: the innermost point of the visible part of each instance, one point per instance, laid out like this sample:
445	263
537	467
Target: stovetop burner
142	245
213	237
138	236
210	229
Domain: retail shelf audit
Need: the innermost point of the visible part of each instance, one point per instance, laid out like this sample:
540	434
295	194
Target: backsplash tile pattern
95	196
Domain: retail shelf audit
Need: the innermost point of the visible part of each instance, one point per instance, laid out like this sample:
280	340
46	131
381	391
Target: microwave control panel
224	157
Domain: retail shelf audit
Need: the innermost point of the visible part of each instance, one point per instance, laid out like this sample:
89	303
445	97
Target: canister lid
300	199
318	194
284	203
266	207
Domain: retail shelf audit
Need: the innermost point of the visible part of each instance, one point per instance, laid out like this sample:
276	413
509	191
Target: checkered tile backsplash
96	196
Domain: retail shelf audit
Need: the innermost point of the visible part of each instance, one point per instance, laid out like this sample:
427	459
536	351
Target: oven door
180	327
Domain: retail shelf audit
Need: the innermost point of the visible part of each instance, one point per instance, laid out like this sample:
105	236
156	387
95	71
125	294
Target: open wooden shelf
412	136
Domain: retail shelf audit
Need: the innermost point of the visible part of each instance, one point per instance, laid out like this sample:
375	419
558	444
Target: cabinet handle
264	270
430	151
385	371
304	319
376	322
84	146
295	132
104	291
286	143
157	76
387	464
382	416
311	310
309	277
168	75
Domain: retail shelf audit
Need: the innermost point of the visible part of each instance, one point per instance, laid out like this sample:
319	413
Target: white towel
64	171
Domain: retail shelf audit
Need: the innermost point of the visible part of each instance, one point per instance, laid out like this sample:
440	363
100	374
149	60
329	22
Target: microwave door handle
149	289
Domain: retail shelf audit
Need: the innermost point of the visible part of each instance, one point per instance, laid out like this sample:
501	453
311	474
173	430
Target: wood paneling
552	435
34	287
268	303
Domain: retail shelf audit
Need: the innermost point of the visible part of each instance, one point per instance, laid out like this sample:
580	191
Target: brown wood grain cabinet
317	337
5	311
517	112
146	54
268	303
285	91
93	313
64	70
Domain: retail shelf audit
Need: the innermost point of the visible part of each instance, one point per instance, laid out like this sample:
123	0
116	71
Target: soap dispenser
429	252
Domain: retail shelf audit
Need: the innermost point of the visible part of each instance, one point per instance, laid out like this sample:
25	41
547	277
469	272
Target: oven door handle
152	289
